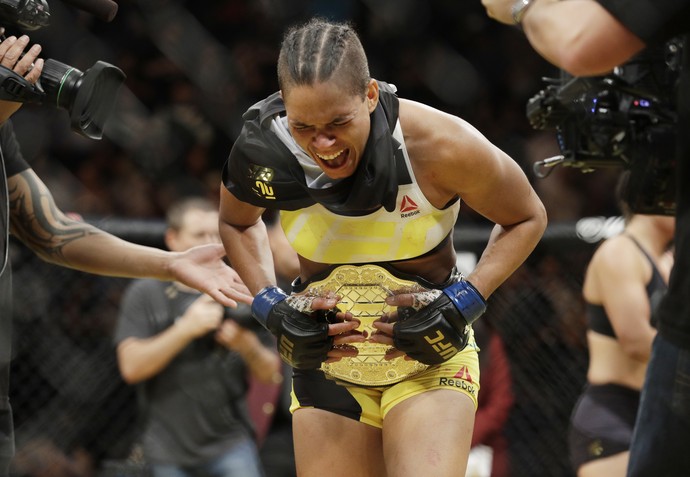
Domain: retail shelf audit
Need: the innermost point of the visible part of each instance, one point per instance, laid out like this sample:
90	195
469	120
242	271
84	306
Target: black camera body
242	315
88	96
626	119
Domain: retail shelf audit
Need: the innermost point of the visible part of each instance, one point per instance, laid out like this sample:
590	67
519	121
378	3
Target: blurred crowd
194	67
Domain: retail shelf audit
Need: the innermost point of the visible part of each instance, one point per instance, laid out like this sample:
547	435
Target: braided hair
320	51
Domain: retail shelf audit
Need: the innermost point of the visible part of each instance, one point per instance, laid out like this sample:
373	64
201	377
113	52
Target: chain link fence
72	410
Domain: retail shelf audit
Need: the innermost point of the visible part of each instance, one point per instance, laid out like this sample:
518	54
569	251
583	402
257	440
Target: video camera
88	96
625	119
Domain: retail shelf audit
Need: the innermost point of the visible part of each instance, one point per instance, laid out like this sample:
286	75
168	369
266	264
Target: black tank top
596	315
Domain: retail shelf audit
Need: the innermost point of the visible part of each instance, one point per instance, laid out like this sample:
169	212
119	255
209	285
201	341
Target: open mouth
334	160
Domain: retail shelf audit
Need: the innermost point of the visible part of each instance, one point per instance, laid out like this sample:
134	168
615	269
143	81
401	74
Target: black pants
6	423
6	436
602	423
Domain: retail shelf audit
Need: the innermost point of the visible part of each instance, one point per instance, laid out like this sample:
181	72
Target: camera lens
88	96
60	83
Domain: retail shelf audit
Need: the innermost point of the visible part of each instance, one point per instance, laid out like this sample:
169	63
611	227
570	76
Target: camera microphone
102	9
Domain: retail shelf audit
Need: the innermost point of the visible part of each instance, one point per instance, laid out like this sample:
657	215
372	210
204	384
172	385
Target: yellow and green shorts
367	386
370	404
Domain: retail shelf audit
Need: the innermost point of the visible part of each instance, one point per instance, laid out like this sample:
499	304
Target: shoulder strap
656	275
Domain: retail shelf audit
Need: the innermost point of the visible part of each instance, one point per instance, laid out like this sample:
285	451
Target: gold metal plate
363	290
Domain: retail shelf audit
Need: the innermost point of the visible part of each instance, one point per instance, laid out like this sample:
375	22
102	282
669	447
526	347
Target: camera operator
28	211
193	363
585	38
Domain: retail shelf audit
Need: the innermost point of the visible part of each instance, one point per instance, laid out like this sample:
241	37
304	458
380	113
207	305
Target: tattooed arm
37	221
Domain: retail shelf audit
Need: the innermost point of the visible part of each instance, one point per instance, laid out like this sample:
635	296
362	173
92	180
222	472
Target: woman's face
331	124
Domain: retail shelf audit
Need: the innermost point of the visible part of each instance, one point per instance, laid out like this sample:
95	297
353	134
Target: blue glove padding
467	299
440	330
303	340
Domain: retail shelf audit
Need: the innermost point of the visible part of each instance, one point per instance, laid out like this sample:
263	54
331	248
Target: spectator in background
489	451
588	38
624	282
191	363
34	218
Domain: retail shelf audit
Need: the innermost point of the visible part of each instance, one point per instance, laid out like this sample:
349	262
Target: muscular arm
284	256
246	241
580	36
505	197
570	34
45	229
451	159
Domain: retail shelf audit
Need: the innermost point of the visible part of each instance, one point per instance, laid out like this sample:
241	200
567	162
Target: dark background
194	67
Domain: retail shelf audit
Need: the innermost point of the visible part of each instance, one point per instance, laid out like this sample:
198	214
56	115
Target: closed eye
340	123
300	127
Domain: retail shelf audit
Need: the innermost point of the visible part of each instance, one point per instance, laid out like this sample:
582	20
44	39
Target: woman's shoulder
619	256
441	138
422	118
427	127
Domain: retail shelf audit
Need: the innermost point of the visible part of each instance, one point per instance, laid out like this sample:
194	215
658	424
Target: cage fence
71	408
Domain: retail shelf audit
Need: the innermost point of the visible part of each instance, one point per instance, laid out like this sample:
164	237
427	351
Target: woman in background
624	281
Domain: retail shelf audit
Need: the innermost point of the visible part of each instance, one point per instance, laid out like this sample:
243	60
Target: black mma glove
303	340
437	332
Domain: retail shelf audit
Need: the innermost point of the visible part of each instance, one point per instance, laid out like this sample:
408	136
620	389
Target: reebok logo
408	208
459	383
407	204
464	373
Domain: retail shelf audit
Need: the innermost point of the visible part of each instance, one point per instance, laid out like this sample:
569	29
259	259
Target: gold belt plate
363	290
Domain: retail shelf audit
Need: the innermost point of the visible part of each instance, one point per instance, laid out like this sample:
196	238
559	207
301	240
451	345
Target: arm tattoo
38	222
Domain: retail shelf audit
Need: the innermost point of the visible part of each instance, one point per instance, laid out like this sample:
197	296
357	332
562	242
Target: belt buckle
363	290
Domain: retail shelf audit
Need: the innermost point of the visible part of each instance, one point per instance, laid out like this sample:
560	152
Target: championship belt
363	290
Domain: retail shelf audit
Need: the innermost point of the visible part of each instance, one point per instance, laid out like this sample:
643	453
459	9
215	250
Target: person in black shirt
192	362
588	38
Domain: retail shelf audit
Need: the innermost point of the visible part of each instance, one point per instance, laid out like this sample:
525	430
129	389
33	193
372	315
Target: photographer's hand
203	316
263	362
28	65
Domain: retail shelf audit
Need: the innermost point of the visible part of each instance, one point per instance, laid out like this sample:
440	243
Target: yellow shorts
369	405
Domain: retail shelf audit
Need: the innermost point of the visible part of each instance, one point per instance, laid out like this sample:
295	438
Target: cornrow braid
319	51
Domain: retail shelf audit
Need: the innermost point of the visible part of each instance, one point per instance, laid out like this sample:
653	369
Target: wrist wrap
302	338
264	301
467	299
